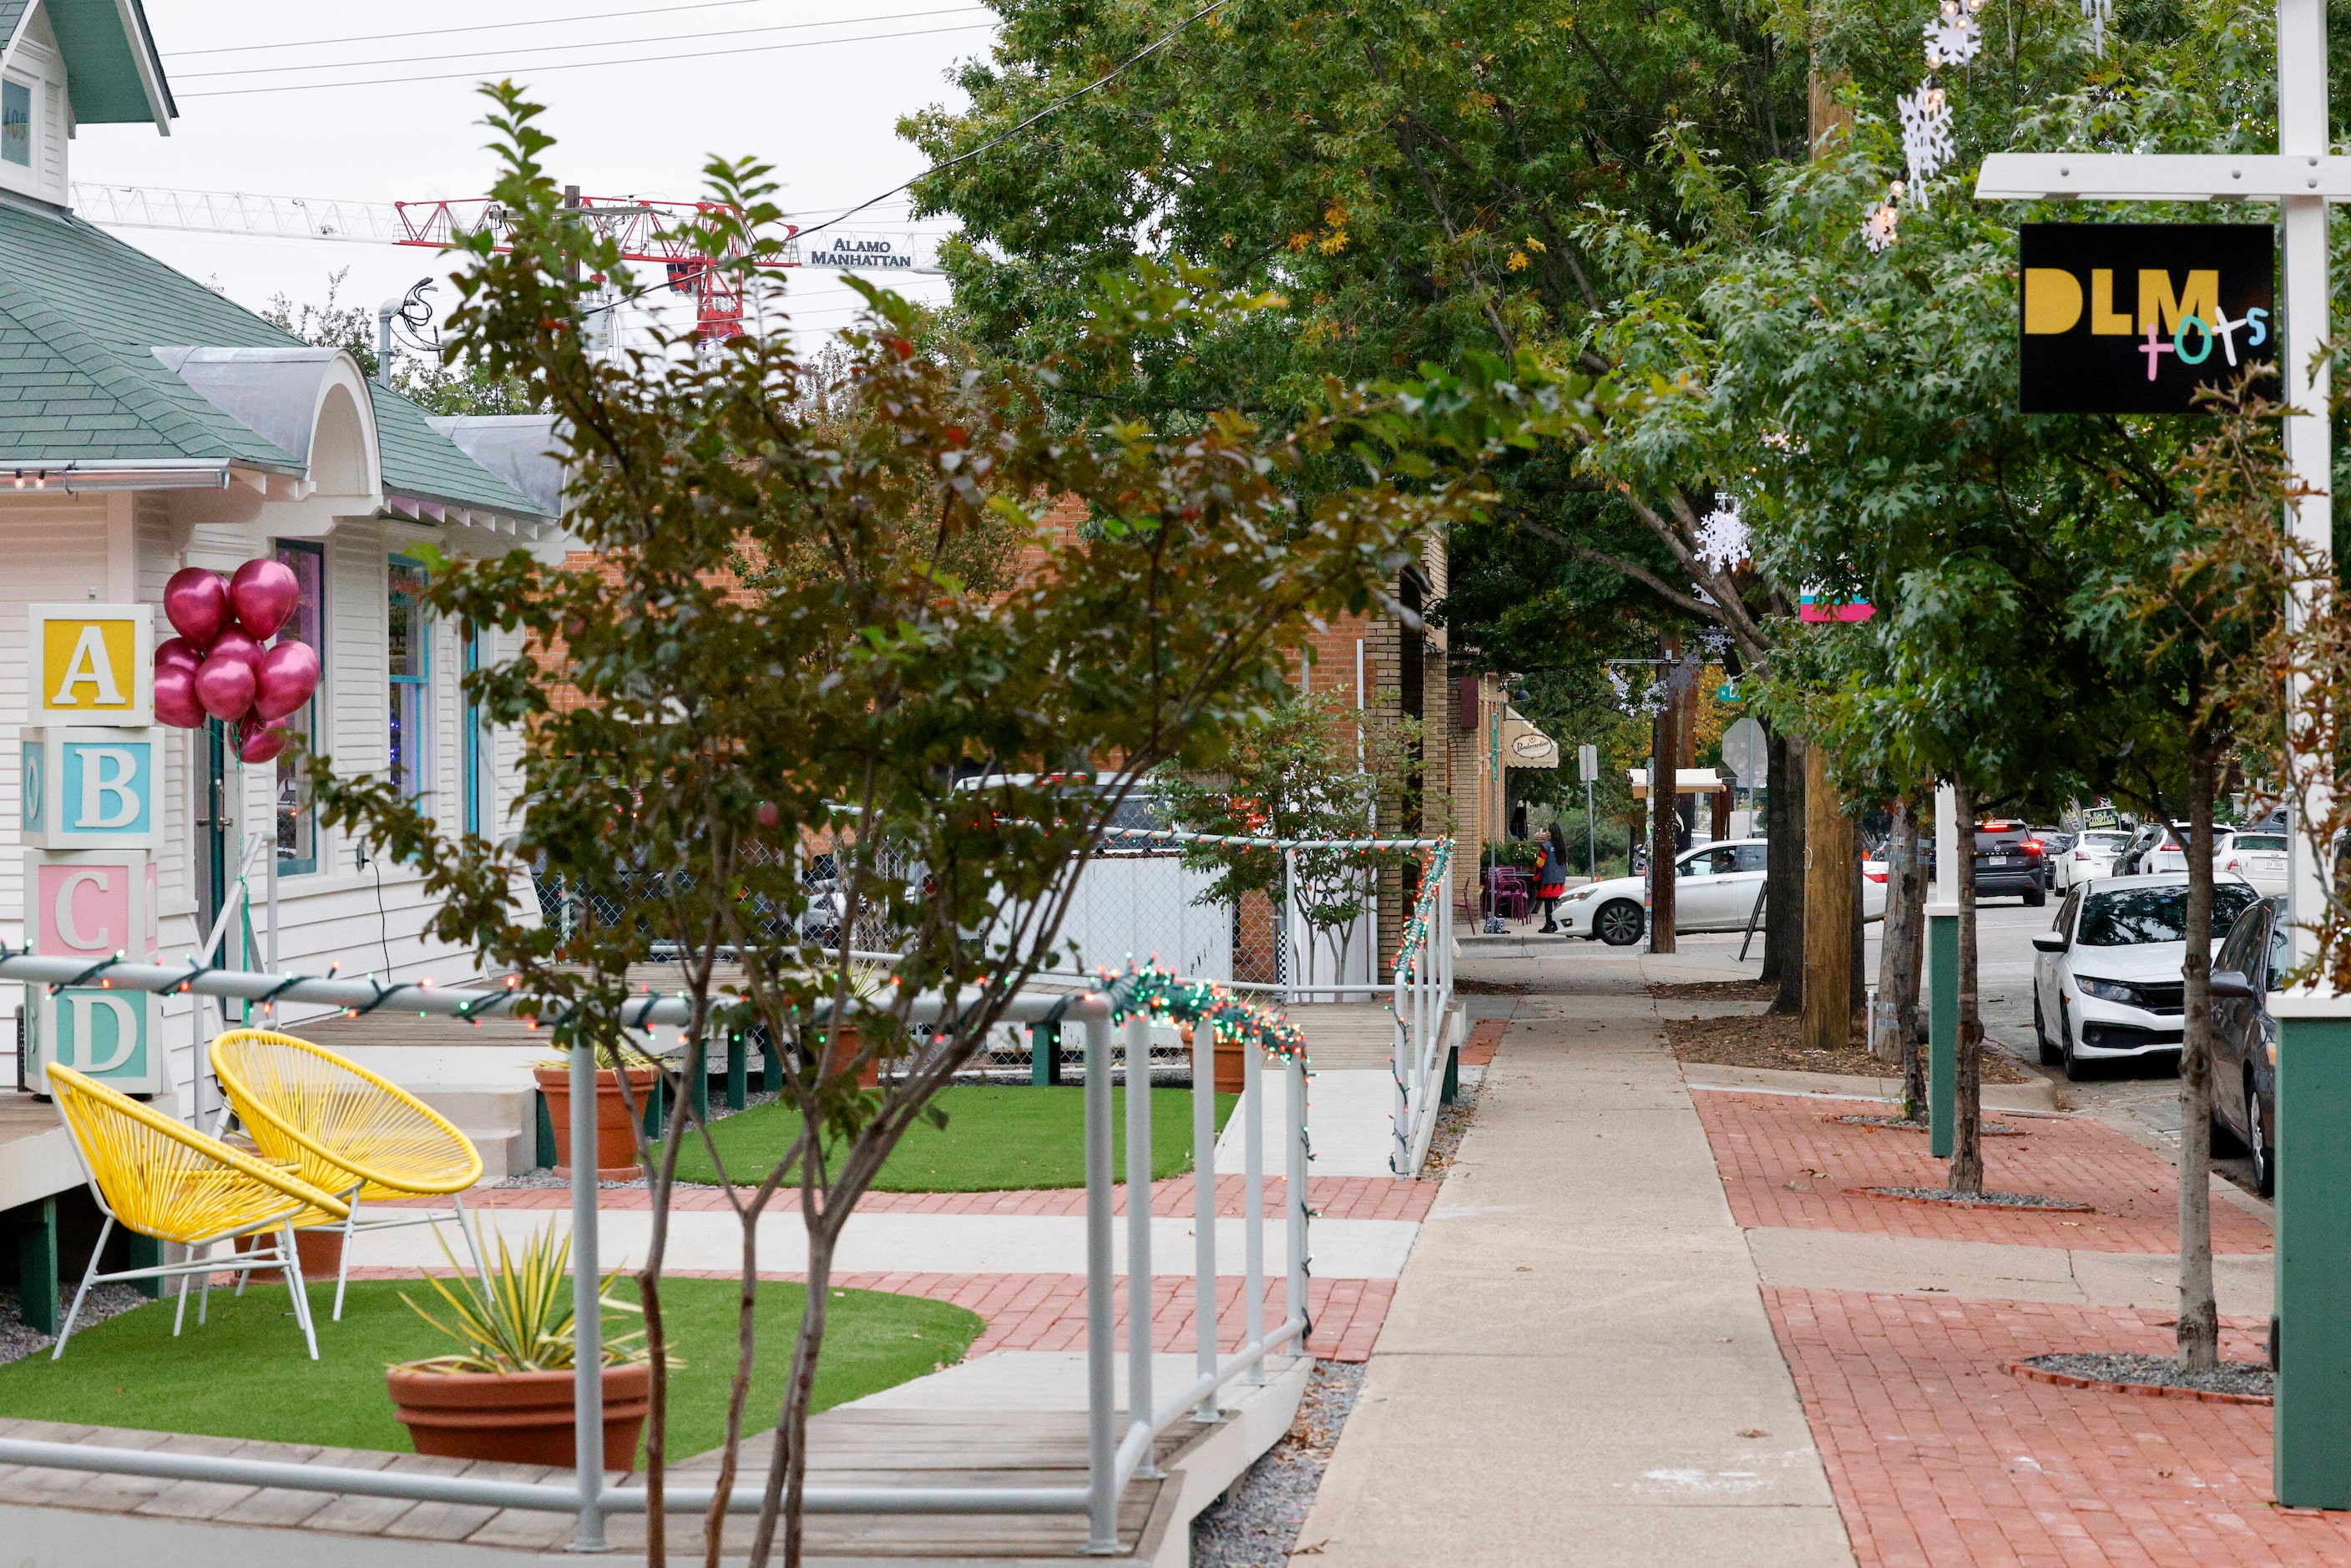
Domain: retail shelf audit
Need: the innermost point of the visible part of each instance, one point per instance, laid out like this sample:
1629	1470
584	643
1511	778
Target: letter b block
89	788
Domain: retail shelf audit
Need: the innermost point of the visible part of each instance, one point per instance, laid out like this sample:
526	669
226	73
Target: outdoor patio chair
155	1177
350	1131
1508	893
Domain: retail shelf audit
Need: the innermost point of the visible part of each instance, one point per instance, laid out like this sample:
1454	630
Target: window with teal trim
481	778
408	649
16	123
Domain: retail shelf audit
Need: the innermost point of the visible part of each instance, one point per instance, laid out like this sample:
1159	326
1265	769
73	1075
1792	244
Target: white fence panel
1142	906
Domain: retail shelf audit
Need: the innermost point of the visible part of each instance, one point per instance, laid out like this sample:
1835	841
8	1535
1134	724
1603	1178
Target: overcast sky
822	112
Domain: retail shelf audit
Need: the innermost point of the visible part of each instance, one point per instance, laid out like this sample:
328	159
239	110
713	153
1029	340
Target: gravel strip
1978	1199
1256	1522
18	1341
1452	1126
1905	1124
2245	1377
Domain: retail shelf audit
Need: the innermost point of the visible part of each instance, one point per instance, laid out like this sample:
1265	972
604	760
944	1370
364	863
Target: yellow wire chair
348	1131
154	1175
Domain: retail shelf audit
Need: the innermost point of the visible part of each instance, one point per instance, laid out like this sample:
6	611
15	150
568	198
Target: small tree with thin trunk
863	691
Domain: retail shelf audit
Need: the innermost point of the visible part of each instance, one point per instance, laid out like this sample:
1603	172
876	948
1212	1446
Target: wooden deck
264	1527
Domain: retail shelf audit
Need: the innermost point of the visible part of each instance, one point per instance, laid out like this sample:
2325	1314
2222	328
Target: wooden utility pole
1828	909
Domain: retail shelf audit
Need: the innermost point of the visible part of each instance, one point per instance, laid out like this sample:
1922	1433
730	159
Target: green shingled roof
82	314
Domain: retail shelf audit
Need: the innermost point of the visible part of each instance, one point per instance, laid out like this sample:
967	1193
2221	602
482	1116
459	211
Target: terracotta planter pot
616	1142
519	1418
840	1048
1232	1067
321	1252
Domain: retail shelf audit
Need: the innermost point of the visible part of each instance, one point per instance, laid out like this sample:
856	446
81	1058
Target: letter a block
93	906
89	788
92	664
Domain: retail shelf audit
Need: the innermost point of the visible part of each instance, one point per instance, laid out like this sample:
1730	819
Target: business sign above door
2139	318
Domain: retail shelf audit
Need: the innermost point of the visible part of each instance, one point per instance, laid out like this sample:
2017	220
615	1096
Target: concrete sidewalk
1578	1366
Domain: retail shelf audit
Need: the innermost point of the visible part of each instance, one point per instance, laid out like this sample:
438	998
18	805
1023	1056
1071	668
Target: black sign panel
2135	318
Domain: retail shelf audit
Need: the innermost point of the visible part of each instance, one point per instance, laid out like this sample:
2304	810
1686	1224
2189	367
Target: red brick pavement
1478	1051
1333	1198
1048	1311
1937	1458
1785	1163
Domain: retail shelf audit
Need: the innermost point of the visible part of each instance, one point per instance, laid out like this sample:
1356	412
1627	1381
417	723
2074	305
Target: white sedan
2107	982
2258	857
2092	857
1715	889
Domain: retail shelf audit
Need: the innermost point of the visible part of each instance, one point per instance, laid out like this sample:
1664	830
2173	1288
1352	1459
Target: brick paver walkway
1938	1457
1785	1162
1333	1198
1048	1311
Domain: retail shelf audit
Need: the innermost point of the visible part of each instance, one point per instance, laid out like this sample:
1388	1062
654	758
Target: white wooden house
147	425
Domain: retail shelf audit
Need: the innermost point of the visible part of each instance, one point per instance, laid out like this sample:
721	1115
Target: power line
477	27
478	72
600	44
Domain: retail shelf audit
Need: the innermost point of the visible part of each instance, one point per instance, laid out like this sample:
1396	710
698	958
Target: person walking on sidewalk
1551	878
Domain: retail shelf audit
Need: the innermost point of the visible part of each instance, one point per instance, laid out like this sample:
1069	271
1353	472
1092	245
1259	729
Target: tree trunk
1967	1124
2200	1314
1783	905
780	1512
1910	1020
1665	745
1828	909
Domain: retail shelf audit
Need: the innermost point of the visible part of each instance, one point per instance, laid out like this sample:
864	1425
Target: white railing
1113	1458
1423	1004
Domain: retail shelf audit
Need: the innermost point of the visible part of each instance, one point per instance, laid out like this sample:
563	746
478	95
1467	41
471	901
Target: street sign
1587	763
2139	318
1746	753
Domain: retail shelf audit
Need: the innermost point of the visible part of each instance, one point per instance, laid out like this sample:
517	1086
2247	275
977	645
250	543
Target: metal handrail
1112	1461
1422	1001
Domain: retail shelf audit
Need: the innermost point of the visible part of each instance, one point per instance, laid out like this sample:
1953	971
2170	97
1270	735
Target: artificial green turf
245	1373
996	1140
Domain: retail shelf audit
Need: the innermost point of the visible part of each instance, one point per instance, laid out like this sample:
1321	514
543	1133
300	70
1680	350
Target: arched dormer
310	403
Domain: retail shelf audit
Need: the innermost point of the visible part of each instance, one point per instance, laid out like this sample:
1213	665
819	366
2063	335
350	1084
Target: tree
875	698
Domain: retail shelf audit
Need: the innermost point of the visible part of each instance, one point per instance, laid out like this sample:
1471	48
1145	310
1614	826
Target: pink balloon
264	593
261	742
175	698
224	687
196	603
285	679
177	653
234	645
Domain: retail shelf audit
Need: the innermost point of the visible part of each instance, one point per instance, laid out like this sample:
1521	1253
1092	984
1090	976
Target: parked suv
2011	859
2251	964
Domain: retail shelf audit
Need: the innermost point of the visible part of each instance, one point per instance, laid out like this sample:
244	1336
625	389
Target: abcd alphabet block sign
2139	318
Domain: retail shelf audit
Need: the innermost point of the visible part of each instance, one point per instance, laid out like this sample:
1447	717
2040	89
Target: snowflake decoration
1723	534
2096	14
1952	37
1878	232
1926	133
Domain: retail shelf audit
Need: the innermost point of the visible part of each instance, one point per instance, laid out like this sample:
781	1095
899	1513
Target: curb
2040	1095
2143	1390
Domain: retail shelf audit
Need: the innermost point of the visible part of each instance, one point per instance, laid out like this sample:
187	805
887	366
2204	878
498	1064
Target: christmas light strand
1154	991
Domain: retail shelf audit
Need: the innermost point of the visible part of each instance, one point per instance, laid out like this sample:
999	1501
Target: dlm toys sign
2139	318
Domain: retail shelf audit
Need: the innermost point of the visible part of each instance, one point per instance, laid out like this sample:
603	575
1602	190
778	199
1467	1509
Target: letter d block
89	788
111	1036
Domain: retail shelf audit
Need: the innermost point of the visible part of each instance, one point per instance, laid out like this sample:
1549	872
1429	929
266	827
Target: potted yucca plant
868	983
507	1393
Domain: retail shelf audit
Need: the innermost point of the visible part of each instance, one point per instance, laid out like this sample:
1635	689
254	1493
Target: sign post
1587	767
2312	1460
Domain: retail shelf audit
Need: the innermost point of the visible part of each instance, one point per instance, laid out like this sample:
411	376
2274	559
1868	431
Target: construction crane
646	231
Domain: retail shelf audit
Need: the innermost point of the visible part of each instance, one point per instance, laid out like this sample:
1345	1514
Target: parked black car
2011	859
2252	965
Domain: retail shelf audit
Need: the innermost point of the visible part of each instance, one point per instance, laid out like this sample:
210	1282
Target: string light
1153	991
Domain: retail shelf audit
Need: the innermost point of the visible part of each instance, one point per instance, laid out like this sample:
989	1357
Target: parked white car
1714	888
2107	982
2258	857
2092	857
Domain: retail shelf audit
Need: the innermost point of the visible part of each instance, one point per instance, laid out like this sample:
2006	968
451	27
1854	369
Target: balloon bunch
216	667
